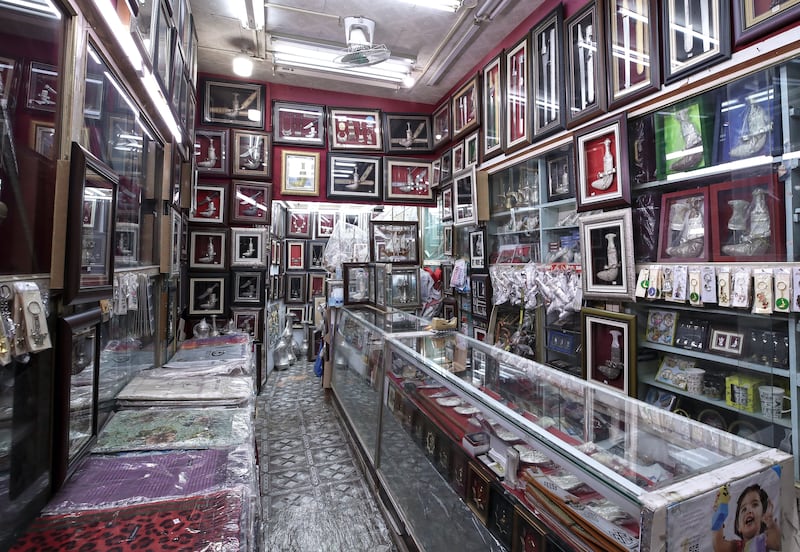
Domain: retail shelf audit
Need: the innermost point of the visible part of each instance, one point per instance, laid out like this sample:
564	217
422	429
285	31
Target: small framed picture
661	326
247	321
298	224
407	133
447	238
8	67
465	107
407	180
465	209
316	253
207	294
299	173
548	74
248	247
211	151
208	203
238	104
295	289
43	136
441	125
446	167
602	158
609	349
251	154
560	174
248	287
295	254
355	129
354	176
394	242
447	204
325	222
251	202
316	285
298	124
42	87
493	101
458	157
207	249
586	96
607	252
93	97
477	250
297	314
696	35
726	342
126	244
471	150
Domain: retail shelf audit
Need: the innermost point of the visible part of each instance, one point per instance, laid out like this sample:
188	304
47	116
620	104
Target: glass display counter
452	425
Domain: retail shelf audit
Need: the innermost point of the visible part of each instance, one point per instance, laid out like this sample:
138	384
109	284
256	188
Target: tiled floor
314	497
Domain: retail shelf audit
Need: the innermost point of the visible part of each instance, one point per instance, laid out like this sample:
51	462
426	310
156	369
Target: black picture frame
493	102
585	38
207	293
296	288
517	128
298	124
407	133
560	165
354	176
247	287
441	124
686	51
355	129
239	104
316	251
548	98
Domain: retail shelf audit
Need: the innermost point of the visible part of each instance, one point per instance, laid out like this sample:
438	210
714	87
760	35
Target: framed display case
698	34
299	224
477	250
354	177
607	253
208	249
325	222
237	104
300	173
517	96
685	231
465	197
359	283
441	124
247	321
248	287
458	157
91	207
355	129
316	286
295	254
42	86
547	47
248	247
207	294
560	174
402	287
208	203
295	288
407	133
447	204
298	124
493	102
251	202
683	136
602	160
609	349
446	167
466	109
252	154
471	152
394	242
585	65
407	180
316	252
126	244
481	287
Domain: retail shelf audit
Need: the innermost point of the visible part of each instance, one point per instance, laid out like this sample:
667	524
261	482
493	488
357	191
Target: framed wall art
602	159
295	254
299	173
297	314
441	125
238	104
251	202
324	224
406	133
298	124
684	136
43	138
607	252
248	287
407	180
586	96
251	156
446	166
275	252
207	294
632	66
755	18
517	97
211	151
248	247
465	210
696	34
295	288
42	87
458	157
8	70
316	252
126	244
394	242
447	239
355	129
547	45
493	102
465	107
477	250
447	204
353	176
436	173
93	97
247	321
316	285
299	224
560	173
471	150
208	249
609	349
208	203
685	232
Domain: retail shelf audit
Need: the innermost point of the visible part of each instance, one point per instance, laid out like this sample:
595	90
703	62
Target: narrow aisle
314	498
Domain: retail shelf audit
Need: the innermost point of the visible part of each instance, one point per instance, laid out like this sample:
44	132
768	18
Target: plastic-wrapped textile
348	244
228	347
198	390
646	214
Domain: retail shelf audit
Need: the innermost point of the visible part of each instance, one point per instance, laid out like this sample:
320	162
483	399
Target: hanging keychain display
783	289
762	286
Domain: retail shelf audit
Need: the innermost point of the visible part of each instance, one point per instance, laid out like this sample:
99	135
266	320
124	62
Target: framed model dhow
465	106
609	349
298	124
607	250
251	202
355	129
547	49
586	96
696	34
251	154
602	156
211	151
407	133
248	247
354	176
407	180
517	97
90	228
394	242
234	103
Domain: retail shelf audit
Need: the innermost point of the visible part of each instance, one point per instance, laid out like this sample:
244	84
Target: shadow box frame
219	235
492	134
324	223
668	200
295	282
418	174
217	92
293	181
381	229
238	259
348	274
196	293
594	231
354	170
560	163
284	115
693	58
447	203
203	142
597	326
591	164
244	143
749	24
241	316
580	105
316	253
251	202
517	128
342	132
551	25
465	193
256	279
299	224
407	133
440	124
465	108
295	255
205	196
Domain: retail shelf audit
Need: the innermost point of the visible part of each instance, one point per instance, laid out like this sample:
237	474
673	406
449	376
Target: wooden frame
517	96
252	154
548	100
298	224
458	157
632	57
493	102
298	124
726	342
355	129
208	203
247	321
685	231
602	160
687	50
753	19
585	64
300	173
248	247
607	253
43	92
207	249
207	294
465	209
407	133
89	267
609	349
440	123
477	250
354	176
394	242
465	108
560	173
296	286
295	255
251	202
211	151
407	180
248	287
238	104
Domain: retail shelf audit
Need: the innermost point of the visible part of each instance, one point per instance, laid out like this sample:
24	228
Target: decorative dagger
546	55
553	106
626	47
589	65
581	66
705	26
688	39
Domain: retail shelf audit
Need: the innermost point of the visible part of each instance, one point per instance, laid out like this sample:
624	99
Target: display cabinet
535	453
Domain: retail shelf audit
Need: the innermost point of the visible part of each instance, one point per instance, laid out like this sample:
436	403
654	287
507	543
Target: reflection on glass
81	390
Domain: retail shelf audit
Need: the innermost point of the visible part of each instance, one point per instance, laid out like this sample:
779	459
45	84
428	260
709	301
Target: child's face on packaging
751	513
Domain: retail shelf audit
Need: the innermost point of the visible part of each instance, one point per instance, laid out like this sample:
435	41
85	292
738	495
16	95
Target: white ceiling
415	30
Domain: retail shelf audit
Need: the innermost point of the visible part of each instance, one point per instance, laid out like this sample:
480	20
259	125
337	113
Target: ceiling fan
360	51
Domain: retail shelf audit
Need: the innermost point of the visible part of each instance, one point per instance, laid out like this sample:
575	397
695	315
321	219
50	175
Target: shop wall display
298	124
299	224
236	104
547	47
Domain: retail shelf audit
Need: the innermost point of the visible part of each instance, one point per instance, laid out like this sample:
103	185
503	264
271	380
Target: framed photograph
441	125
295	255
586	96
208	203
316	252
407	180
394	242
683	136
447	204
406	133
251	202
685	226
632	58
299	173
207	294
207	249
458	157
607	249
755	18
42	87
298	224
696	34
517	97
298	124
354	176
609	349
248	247
43	138
477	250
446	166
325	222
251	154
247	321
295	288
238	104
560	174
465	210
248	287
126	244
471	150
602	156
465	107
726	341
447	239
547	47
211	151
493	102
661	326
316	285
355	129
